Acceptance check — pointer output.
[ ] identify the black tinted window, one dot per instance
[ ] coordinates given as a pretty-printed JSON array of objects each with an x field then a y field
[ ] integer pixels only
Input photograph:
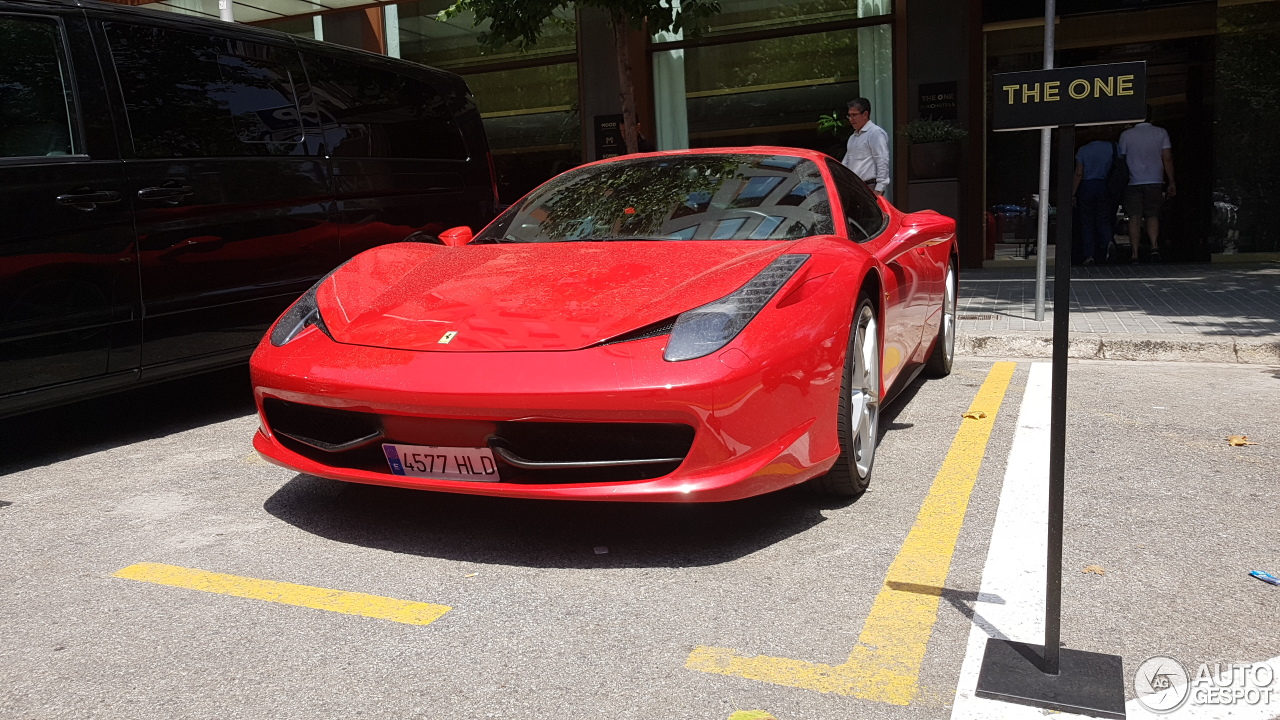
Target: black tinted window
[
  {"x": 377, "y": 113},
  {"x": 190, "y": 95},
  {"x": 690, "y": 197},
  {"x": 36, "y": 108},
  {"x": 862, "y": 212}
]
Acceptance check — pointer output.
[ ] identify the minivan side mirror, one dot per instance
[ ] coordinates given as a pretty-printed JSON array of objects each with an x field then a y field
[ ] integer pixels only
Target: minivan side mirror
[{"x": 457, "y": 236}]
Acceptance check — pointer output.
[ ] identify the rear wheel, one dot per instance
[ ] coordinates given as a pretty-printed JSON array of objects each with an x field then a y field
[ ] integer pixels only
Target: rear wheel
[
  {"x": 944, "y": 348},
  {"x": 858, "y": 414}
]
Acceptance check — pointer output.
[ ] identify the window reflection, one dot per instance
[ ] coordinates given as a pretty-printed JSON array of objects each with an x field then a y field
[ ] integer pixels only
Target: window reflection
[
  {"x": 35, "y": 103},
  {"x": 687, "y": 198},
  {"x": 192, "y": 95}
]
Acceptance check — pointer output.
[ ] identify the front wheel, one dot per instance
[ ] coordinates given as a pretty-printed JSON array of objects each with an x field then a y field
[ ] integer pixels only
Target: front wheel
[{"x": 858, "y": 413}]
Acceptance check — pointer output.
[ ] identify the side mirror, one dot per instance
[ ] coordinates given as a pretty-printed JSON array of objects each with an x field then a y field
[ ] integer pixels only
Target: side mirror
[
  {"x": 925, "y": 227},
  {"x": 924, "y": 219},
  {"x": 456, "y": 237}
]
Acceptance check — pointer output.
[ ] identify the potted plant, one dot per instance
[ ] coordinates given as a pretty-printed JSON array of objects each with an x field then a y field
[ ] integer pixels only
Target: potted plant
[
  {"x": 835, "y": 123},
  {"x": 934, "y": 148}
]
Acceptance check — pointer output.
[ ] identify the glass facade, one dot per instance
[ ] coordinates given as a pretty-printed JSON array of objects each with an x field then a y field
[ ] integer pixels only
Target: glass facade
[
  {"x": 769, "y": 92},
  {"x": 531, "y": 118},
  {"x": 454, "y": 45},
  {"x": 738, "y": 16},
  {"x": 1246, "y": 169},
  {"x": 795, "y": 61},
  {"x": 529, "y": 111}
]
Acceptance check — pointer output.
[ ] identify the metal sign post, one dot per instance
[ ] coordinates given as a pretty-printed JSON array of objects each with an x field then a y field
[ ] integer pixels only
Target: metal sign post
[
  {"x": 1042, "y": 211},
  {"x": 1049, "y": 676}
]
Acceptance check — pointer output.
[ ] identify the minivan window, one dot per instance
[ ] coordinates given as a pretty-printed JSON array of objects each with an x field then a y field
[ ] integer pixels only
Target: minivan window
[
  {"x": 379, "y": 113},
  {"x": 189, "y": 95},
  {"x": 862, "y": 213},
  {"x": 36, "y": 102}
]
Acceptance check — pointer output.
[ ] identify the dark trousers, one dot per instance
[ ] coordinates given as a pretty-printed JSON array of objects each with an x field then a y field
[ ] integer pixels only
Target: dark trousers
[{"x": 1096, "y": 218}]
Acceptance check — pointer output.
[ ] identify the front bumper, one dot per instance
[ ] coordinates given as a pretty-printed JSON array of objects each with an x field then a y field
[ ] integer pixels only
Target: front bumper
[{"x": 757, "y": 427}]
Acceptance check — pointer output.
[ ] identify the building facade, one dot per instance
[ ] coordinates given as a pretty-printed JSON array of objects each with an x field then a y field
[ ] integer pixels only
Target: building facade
[{"x": 762, "y": 72}]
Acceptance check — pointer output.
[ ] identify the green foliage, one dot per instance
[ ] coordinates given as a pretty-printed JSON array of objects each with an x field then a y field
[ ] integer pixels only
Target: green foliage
[
  {"x": 521, "y": 22},
  {"x": 930, "y": 131},
  {"x": 834, "y": 123}
]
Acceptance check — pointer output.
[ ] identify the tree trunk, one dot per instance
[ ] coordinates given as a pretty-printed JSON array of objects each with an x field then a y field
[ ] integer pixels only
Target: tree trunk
[{"x": 626, "y": 91}]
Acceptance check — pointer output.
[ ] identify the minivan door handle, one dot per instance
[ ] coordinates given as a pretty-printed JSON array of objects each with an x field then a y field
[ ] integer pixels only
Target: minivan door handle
[
  {"x": 172, "y": 193},
  {"x": 86, "y": 201}
]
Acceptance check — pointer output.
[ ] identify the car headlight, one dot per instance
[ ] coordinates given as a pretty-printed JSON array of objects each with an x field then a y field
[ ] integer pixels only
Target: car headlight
[
  {"x": 704, "y": 330},
  {"x": 301, "y": 315}
]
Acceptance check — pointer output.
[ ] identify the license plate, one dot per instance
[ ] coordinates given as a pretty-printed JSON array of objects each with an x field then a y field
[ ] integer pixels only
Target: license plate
[{"x": 442, "y": 463}]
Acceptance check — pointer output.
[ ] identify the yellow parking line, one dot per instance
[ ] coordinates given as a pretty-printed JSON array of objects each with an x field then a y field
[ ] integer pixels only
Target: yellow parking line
[
  {"x": 885, "y": 664},
  {"x": 350, "y": 603}
]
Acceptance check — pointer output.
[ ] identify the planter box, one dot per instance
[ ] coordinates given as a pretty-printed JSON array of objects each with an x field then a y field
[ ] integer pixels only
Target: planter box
[{"x": 934, "y": 161}]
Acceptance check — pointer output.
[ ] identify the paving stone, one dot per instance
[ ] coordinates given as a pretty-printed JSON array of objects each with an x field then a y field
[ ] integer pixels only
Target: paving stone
[{"x": 1196, "y": 312}]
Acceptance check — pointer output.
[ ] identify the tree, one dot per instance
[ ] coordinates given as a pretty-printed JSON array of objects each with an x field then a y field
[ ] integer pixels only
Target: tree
[{"x": 520, "y": 22}]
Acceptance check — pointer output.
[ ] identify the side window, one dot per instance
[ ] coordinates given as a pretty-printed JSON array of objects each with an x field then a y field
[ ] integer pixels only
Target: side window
[
  {"x": 190, "y": 95},
  {"x": 378, "y": 113},
  {"x": 37, "y": 108},
  {"x": 861, "y": 212}
]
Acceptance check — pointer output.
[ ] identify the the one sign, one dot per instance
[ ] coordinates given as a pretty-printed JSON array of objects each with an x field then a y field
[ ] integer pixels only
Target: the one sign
[
  {"x": 609, "y": 140},
  {"x": 936, "y": 101},
  {"x": 1085, "y": 95}
]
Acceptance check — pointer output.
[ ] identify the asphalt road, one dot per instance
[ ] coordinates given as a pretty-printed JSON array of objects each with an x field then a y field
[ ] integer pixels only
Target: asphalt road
[{"x": 541, "y": 624}]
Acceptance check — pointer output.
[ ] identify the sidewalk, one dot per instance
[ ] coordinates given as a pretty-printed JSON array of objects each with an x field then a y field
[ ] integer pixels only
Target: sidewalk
[{"x": 1197, "y": 312}]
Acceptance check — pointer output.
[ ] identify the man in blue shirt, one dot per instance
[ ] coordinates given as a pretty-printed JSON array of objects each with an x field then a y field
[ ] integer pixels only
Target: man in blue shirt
[{"x": 1093, "y": 162}]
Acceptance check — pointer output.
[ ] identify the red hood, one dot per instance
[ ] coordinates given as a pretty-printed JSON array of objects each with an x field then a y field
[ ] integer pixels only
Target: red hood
[{"x": 546, "y": 296}]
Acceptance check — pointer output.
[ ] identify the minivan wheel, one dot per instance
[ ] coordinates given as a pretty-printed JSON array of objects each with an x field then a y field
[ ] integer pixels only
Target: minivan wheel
[{"x": 858, "y": 412}]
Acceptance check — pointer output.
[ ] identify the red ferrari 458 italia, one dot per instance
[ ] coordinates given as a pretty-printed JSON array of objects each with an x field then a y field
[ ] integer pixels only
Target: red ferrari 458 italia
[{"x": 698, "y": 325}]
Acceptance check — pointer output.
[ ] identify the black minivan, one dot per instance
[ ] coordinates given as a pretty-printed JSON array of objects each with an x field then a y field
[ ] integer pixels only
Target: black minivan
[{"x": 169, "y": 185}]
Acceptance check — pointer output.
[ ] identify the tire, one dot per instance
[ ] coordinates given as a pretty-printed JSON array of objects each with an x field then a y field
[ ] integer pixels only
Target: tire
[
  {"x": 944, "y": 347},
  {"x": 858, "y": 412}
]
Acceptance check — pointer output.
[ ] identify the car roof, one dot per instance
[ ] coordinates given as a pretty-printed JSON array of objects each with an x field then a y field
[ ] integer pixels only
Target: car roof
[{"x": 220, "y": 27}]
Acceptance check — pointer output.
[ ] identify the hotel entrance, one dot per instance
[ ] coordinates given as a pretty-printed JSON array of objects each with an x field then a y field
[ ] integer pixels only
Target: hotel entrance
[{"x": 1206, "y": 86}]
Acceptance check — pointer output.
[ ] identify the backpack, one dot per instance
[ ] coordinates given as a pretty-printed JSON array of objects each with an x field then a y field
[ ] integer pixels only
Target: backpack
[{"x": 1117, "y": 176}]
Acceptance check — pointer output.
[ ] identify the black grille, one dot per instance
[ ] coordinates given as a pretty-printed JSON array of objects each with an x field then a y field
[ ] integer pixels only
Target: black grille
[
  {"x": 327, "y": 425},
  {"x": 662, "y": 327},
  {"x": 307, "y": 429}
]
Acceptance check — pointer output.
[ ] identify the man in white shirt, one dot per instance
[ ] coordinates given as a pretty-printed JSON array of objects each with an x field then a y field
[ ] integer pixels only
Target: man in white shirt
[
  {"x": 1146, "y": 150},
  {"x": 867, "y": 153}
]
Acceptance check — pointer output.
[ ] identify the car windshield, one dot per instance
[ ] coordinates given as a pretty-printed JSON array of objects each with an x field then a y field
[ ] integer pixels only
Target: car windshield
[{"x": 680, "y": 197}]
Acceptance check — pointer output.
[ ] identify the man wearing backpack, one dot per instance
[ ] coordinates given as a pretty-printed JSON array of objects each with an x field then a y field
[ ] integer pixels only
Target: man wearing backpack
[{"x": 1148, "y": 154}]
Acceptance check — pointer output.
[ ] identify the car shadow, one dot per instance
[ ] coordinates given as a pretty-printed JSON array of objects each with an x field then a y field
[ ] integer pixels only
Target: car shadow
[
  {"x": 555, "y": 533},
  {"x": 69, "y": 431},
  {"x": 545, "y": 533}
]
